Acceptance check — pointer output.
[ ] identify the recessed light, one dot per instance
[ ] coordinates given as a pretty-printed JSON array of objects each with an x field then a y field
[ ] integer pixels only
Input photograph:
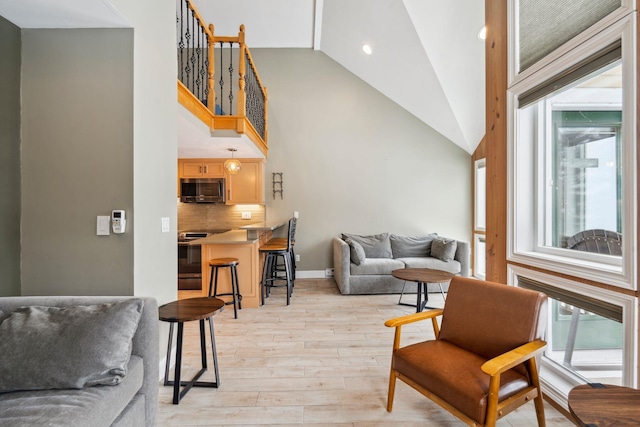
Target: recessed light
[
  {"x": 482, "y": 34},
  {"x": 367, "y": 49}
]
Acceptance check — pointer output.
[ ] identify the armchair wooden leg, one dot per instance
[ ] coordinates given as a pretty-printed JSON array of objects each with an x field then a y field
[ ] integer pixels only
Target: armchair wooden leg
[
  {"x": 538, "y": 401},
  {"x": 392, "y": 390}
]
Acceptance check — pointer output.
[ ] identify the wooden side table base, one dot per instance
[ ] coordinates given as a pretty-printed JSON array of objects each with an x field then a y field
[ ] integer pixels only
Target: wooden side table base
[
  {"x": 183, "y": 311},
  {"x": 177, "y": 382}
]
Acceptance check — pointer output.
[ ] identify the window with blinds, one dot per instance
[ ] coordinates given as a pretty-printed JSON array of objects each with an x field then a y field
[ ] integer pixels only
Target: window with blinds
[{"x": 545, "y": 25}]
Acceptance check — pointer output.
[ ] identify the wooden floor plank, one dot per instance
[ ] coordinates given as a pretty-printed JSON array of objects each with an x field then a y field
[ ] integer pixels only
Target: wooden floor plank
[{"x": 322, "y": 361}]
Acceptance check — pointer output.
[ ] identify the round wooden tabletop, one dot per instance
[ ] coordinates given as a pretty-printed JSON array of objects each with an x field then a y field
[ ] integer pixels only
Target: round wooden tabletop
[
  {"x": 422, "y": 275},
  {"x": 185, "y": 310},
  {"x": 605, "y": 405}
]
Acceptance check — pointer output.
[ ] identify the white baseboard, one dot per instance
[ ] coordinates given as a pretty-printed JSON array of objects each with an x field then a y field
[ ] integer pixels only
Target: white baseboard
[{"x": 310, "y": 274}]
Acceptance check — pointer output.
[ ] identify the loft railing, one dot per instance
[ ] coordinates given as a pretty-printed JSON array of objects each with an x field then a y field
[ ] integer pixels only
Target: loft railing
[{"x": 217, "y": 77}]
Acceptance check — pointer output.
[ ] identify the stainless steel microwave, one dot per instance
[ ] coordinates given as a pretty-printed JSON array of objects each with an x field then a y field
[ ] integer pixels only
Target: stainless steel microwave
[{"x": 202, "y": 190}]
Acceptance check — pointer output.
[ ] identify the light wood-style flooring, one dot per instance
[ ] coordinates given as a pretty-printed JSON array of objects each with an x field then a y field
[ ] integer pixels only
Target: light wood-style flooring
[{"x": 323, "y": 361}]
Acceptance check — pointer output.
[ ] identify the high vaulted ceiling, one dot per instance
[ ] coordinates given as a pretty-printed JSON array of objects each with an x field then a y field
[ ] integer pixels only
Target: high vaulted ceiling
[{"x": 426, "y": 54}]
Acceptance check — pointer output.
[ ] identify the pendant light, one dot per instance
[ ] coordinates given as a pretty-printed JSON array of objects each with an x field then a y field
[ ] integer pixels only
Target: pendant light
[{"x": 232, "y": 166}]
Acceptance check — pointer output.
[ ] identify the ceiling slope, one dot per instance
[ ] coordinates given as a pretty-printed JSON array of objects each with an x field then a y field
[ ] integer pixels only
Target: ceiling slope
[{"x": 426, "y": 55}]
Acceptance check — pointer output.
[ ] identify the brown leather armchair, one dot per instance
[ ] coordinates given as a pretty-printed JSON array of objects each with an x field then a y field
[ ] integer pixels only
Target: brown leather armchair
[{"x": 482, "y": 364}]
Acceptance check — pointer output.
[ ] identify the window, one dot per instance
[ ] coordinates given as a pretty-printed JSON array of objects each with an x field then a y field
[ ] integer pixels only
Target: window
[
  {"x": 590, "y": 333},
  {"x": 479, "y": 218},
  {"x": 572, "y": 186},
  {"x": 572, "y": 166}
]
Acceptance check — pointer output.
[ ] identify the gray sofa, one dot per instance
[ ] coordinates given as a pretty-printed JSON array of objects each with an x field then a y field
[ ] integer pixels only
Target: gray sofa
[
  {"x": 132, "y": 401},
  {"x": 387, "y": 252}
]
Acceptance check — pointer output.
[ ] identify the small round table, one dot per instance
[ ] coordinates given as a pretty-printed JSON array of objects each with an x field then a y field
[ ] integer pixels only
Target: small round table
[
  {"x": 422, "y": 276},
  {"x": 184, "y": 311},
  {"x": 599, "y": 405}
]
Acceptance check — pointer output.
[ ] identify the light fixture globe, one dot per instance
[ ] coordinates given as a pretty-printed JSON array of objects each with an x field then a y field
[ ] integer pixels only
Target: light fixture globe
[{"x": 232, "y": 166}]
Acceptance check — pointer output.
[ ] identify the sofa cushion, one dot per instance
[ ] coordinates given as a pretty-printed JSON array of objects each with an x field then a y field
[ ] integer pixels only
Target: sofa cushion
[
  {"x": 376, "y": 266},
  {"x": 430, "y": 262},
  {"x": 90, "y": 406},
  {"x": 444, "y": 249},
  {"x": 67, "y": 347},
  {"x": 375, "y": 246},
  {"x": 411, "y": 246},
  {"x": 356, "y": 250}
]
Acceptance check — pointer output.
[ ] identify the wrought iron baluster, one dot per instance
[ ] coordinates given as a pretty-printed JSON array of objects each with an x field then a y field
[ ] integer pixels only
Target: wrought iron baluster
[
  {"x": 230, "y": 77},
  {"x": 221, "y": 82}
]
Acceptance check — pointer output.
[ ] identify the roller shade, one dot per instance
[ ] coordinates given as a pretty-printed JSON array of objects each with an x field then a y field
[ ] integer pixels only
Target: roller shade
[
  {"x": 607, "y": 56},
  {"x": 545, "y": 25},
  {"x": 604, "y": 309}
]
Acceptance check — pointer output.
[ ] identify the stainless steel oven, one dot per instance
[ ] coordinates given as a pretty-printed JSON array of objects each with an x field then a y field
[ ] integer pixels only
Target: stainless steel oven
[{"x": 190, "y": 259}]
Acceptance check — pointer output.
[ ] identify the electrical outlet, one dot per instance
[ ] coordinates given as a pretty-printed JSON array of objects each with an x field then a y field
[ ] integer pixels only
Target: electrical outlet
[
  {"x": 297, "y": 258},
  {"x": 246, "y": 215},
  {"x": 296, "y": 214},
  {"x": 328, "y": 272}
]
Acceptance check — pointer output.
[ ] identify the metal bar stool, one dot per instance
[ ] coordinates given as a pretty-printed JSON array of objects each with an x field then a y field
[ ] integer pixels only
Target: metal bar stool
[
  {"x": 231, "y": 263},
  {"x": 273, "y": 250}
]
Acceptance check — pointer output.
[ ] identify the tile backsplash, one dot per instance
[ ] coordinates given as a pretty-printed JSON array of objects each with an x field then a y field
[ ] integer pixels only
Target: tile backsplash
[{"x": 203, "y": 216}]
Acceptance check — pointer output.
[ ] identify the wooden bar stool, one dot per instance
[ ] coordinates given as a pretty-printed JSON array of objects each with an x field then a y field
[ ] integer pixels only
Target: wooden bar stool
[{"x": 231, "y": 263}]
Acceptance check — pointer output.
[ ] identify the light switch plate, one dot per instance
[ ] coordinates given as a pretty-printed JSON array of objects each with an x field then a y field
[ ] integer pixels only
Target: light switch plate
[
  {"x": 246, "y": 215},
  {"x": 166, "y": 225},
  {"x": 102, "y": 225}
]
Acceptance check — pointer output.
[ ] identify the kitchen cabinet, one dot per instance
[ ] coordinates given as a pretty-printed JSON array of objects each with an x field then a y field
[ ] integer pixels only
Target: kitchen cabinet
[
  {"x": 247, "y": 187},
  {"x": 200, "y": 168}
]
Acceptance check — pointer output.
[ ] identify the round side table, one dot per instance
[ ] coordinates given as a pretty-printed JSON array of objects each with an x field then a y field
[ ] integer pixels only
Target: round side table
[{"x": 184, "y": 311}]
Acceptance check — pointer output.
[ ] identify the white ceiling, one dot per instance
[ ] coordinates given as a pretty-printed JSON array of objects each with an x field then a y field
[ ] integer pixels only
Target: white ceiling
[{"x": 426, "y": 54}]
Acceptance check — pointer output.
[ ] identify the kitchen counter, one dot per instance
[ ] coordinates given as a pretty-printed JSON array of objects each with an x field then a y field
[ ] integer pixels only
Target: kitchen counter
[
  {"x": 255, "y": 230},
  {"x": 232, "y": 237}
]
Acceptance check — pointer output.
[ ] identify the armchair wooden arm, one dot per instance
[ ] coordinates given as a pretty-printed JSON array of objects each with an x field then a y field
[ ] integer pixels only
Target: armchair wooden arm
[
  {"x": 398, "y": 322},
  {"x": 508, "y": 360},
  {"x": 411, "y": 318}
]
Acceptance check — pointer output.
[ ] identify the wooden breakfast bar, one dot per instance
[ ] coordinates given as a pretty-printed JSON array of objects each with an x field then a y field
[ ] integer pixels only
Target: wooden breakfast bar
[{"x": 243, "y": 244}]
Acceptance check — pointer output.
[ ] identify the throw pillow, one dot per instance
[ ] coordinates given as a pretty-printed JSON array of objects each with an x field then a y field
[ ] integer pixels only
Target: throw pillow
[
  {"x": 444, "y": 249},
  {"x": 375, "y": 246},
  {"x": 356, "y": 250},
  {"x": 67, "y": 347},
  {"x": 411, "y": 246}
]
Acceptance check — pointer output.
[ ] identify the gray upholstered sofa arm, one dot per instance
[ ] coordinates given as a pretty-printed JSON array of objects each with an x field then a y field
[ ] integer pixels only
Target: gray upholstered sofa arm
[
  {"x": 463, "y": 256},
  {"x": 341, "y": 264},
  {"x": 145, "y": 341}
]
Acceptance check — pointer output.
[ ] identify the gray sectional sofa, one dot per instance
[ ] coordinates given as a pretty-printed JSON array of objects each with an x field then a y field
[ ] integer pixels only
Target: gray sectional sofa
[
  {"x": 78, "y": 361},
  {"x": 363, "y": 264}
]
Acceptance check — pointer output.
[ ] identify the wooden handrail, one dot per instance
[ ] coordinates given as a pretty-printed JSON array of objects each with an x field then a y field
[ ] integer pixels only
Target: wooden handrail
[{"x": 200, "y": 19}]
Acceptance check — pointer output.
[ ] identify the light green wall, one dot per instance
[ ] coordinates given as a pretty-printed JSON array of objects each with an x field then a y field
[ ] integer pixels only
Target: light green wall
[
  {"x": 353, "y": 160},
  {"x": 77, "y": 160},
  {"x": 9, "y": 158}
]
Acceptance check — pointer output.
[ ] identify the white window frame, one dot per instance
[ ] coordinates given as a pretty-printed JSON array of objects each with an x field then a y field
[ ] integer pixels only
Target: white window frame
[
  {"x": 477, "y": 255},
  {"x": 555, "y": 381},
  {"x": 522, "y": 185},
  {"x": 479, "y": 207}
]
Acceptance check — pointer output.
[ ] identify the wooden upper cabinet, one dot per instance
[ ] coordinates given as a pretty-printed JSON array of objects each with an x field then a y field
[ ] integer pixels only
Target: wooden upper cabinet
[
  {"x": 200, "y": 168},
  {"x": 247, "y": 187}
]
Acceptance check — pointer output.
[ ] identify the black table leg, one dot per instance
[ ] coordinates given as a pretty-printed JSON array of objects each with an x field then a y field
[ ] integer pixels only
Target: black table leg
[
  {"x": 213, "y": 352},
  {"x": 177, "y": 383},
  {"x": 176, "y": 376}
]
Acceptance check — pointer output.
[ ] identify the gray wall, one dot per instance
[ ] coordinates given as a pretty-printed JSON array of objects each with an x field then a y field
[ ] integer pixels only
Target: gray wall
[
  {"x": 77, "y": 160},
  {"x": 10, "y": 46},
  {"x": 155, "y": 150},
  {"x": 353, "y": 160}
]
